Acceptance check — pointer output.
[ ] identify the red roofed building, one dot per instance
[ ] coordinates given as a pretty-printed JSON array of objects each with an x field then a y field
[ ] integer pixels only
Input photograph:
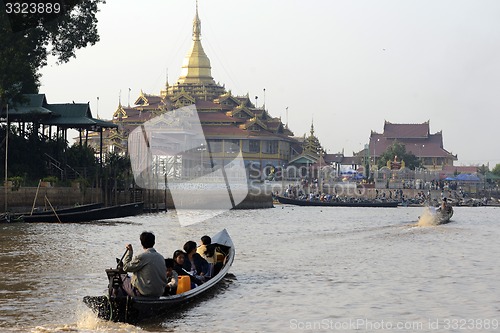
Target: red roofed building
[
  {"x": 228, "y": 121},
  {"x": 451, "y": 170},
  {"x": 417, "y": 140}
]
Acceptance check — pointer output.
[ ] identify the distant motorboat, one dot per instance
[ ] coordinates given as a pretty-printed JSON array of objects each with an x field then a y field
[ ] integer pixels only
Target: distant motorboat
[
  {"x": 432, "y": 216},
  {"x": 444, "y": 216}
]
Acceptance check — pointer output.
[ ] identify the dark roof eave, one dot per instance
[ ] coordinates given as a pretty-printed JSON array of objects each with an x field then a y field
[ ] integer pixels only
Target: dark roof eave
[{"x": 85, "y": 123}]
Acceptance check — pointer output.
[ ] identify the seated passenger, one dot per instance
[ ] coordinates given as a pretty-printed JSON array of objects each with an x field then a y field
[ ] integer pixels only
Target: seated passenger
[
  {"x": 179, "y": 257},
  {"x": 194, "y": 263},
  {"x": 207, "y": 252},
  {"x": 179, "y": 261},
  {"x": 172, "y": 278}
]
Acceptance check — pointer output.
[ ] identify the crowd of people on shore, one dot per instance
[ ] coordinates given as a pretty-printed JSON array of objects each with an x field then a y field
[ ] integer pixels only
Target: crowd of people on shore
[
  {"x": 298, "y": 192},
  {"x": 455, "y": 196},
  {"x": 153, "y": 275}
]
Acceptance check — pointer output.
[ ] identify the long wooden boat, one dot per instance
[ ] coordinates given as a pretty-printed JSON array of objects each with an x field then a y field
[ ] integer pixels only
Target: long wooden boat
[
  {"x": 96, "y": 214},
  {"x": 353, "y": 203},
  {"x": 74, "y": 209},
  {"x": 19, "y": 217},
  {"x": 136, "y": 309}
]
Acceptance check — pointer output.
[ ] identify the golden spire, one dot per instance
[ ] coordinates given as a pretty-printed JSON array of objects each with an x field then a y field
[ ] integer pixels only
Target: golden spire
[
  {"x": 196, "y": 25},
  {"x": 196, "y": 67}
]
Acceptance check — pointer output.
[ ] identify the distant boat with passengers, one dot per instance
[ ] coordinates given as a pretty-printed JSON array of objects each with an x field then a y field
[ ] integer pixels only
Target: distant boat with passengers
[{"x": 338, "y": 202}]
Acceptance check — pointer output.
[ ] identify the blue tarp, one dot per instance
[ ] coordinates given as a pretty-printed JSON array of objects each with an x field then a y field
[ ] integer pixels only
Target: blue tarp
[
  {"x": 467, "y": 177},
  {"x": 359, "y": 176}
]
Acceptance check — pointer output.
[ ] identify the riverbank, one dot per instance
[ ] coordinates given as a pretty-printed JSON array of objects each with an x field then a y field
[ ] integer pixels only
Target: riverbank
[{"x": 23, "y": 199}]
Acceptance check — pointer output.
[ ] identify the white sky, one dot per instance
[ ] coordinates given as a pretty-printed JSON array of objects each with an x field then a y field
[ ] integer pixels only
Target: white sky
[{"x": 349, "y": 64}]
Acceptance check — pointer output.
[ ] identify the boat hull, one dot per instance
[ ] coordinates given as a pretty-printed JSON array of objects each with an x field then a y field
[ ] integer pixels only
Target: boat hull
[
  {"x": 359, "y": 203},
  {"x": 81, "y": 208},
  {"x": 89, "y": 215},
  {"x": 133, "y": 310},
  {"x": 443, "y": 218}
]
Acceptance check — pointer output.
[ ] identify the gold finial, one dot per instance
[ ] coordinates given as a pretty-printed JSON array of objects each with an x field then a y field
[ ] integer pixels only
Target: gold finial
[
  {"x": 196, "y": 25},
  {"x": 196, "y": 67}
]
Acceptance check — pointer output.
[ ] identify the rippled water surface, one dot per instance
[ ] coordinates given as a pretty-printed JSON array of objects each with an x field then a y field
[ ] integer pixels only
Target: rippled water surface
[{"x": 296, "y": 269}]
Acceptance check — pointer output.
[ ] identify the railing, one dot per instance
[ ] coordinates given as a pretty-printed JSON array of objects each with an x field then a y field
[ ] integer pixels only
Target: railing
[
  {"x": 65, "y": 172},
  {"x": 53, "y": 163}
]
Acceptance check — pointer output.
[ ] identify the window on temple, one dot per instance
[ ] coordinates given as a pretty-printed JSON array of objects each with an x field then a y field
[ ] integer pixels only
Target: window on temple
[
  {"x": 254, "y": 146},
  {"x": 270, "y": 147},
  {"x": 245, "y": 146},
  {"x": 231, "y": 146},
  {"x": 215, "y": 146}
]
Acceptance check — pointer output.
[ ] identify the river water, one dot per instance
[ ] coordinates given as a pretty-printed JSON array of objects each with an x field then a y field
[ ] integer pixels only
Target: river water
[{"x": 297, "y": 269}]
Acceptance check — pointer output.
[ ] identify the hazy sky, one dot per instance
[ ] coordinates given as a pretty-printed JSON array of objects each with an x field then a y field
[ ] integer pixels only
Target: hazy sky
[{"x": 348, "y": 65}]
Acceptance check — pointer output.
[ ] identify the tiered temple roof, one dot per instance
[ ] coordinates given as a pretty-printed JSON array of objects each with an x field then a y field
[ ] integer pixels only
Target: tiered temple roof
[{"x": 416, "y": 138}]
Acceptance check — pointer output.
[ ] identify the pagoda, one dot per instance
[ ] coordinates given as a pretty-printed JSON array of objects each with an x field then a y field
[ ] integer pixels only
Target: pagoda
[{"x": 227, "y": 120}]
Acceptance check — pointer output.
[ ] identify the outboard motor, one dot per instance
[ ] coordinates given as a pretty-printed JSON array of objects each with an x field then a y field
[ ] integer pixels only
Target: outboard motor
[{"x": 115, "y": 278}]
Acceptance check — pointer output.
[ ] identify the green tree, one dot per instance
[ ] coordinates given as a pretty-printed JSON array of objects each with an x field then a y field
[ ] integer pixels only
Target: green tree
[
  {"x": 28, "y": 39},
  {"x": 398, "y": 150},
  {"x": 26, "y": 155},
  {"x": 83, "y": 160},
  {"x": 496, "y": 170},
  {"x": 483, "y": 169},
  {"x": 115, "y": 175},
  {"x": 81, "y": 156},
  {"x": 31, "y": 155}
]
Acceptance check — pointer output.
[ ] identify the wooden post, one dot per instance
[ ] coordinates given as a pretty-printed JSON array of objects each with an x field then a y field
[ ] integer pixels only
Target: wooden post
[
  {"x": 36, "y": 196},
  {"x": 57, "y": 216}
]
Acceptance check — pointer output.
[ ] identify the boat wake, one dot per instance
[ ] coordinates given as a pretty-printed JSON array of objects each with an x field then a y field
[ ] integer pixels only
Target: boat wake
[
  {"x": 87, "y": 322},
  {"x": 428, "y": 218}
]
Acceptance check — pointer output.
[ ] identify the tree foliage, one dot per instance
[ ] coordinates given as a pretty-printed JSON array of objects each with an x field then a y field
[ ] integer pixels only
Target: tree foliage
[
  {"x": 483, "y": 169},
  {"x": 81, "y": 156},
  {"x": 398, "y": 150},
  {"x": 117, "y": 166},
  {"x": 27, "y": 41},
  {"x": 32, "y": 157},
  {"x": 496, "y": 170}
]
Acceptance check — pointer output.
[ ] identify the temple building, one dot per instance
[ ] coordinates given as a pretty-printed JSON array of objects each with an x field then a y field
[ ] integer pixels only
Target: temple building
[
  {"x": 417, "y": 139},
  {"x": 310, "y": 159},
  {"x": 227, "y": 120}
]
